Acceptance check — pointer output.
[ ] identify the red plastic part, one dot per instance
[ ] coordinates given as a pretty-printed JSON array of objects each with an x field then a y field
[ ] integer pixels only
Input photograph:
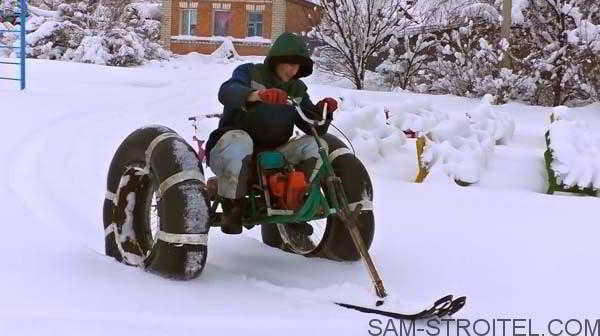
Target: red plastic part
[
  {"x": 296, "y": 188},
  {"x": 288, "y": 190},
  {"x": 277, "y": 185}
]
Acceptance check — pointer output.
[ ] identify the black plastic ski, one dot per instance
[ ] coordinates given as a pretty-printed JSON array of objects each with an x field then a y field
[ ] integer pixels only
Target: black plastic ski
[{"x": 445, "y": 306}]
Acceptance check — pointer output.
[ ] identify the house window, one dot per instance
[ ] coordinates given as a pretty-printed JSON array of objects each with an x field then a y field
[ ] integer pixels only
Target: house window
[
  {"x": 221, "y": 21},
  {"x": 188, "y": 22},
  {"x": 255, "y": 24}
]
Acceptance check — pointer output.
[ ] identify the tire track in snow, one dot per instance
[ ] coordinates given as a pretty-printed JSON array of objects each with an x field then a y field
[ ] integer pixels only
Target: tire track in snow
[{"x": 41, "y": 173}]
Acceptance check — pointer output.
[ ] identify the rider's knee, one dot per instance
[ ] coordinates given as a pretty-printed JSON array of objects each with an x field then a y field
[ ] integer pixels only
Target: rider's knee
[
  {"x": 238, "y": 141},
  {"x": 311, "y": 147}
]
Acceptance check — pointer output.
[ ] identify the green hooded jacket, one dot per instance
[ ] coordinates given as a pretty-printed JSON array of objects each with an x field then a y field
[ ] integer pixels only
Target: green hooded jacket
[{"x": 288, "y": 48}]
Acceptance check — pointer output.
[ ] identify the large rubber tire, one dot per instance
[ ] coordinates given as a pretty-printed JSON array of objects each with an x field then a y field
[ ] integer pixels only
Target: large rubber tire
[
  {"x": 146, "y": 158},
  {"x": 336, "y": 243},
  {"x": 270, "y": 235}
]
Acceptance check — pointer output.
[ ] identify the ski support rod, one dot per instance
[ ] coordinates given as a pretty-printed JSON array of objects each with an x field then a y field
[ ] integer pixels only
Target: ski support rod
[{"x": 350, "y": 219}]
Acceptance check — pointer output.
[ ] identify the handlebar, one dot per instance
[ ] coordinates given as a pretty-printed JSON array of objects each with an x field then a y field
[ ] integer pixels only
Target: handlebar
[{"x": 307, "y": 119}]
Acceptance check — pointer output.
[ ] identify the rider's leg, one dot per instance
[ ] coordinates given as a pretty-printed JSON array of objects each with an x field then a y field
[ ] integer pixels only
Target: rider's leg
[
  {"x": 230, "y": 160},
  {"x": 304, "y": 154}
]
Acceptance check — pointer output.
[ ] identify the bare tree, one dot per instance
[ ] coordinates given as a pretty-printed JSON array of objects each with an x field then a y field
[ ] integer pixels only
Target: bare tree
[{"x": 352, "y": 31}]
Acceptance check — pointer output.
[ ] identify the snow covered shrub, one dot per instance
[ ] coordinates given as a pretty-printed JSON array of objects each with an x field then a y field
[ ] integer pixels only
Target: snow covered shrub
[
  {"x": 404, "y": 70},
  {"x": 586, "y": 38},
  {"x": 146, "y": 28},
  {"x": 590, "y": 71},
  {"x": 456, "y": 69},
  {"x": 460, "y": 148},
  {"x": 367, "y": 128},
  {"x": 125, "y": 48},
  {"x": 453, "y": 149},
  {"x": 414, "y": 116},
  {"x": 563, "y": 36},
  {"x": 487, "y": 121},
  {"x": 572, "y": 155},
  {"x": 6, "y": 39},
  {"x": 53, "y": 38},
  {"x": 506, "y": 84},
  {"x": 114, "y": 32},
  {"x": 118, "y": 47},
  {"x": 91, "y": 50},
  {"x": 469, "y": 64},
  {"x": 46, "y": 4}
]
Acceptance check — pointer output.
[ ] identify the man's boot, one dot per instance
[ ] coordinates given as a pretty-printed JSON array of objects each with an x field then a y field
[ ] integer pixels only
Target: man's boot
[{"x": 232, "y": 216}]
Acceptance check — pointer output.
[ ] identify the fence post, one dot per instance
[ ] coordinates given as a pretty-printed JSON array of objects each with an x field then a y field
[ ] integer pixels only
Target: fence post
[
  {"x": 23, "y": 15},
  {"x": 22, "y": 6}
]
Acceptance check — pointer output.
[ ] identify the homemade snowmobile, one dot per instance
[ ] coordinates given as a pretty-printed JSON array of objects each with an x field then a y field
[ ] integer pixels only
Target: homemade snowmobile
[{"x": 158, "y": 208}]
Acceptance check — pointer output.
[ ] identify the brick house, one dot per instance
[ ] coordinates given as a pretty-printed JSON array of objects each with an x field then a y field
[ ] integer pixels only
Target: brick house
[{"x": 201, "y": 25}]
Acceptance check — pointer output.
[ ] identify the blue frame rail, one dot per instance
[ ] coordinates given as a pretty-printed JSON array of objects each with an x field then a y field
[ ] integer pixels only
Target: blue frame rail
[{"x": 22, "y": 30}]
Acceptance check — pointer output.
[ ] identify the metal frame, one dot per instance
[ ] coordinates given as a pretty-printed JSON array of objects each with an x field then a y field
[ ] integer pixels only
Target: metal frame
[
  {"x": 318, "y": 205},
  {"x": 21, "y": 32}
]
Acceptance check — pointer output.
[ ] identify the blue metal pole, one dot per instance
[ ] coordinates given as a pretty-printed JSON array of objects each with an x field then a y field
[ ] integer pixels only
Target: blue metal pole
[{"x": 23, "y": 25}]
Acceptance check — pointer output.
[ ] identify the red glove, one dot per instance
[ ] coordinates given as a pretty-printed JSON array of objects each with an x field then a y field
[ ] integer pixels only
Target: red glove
[
  {"x": 273, "y": 96},
  {"x": 331, "y": 105}
]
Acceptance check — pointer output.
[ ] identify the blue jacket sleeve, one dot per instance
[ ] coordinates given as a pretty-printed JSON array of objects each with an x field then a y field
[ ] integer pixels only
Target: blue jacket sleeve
[{"x": 233, "y": 93}]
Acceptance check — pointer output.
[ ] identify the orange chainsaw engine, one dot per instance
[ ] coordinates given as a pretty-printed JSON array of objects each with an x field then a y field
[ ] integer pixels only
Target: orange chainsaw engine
[{"x": 288, "y": 189}]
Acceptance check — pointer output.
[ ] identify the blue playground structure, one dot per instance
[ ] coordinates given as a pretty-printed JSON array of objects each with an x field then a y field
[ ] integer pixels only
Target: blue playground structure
[{"x": 19, "y": 16}]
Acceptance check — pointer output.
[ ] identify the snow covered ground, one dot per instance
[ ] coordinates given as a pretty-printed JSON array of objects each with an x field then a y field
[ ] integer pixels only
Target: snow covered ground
[{"x": 513, "y": 250}]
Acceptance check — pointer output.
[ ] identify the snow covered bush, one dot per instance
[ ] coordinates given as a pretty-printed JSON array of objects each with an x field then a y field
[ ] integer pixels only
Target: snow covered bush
[
  {"x": 460, "y": 148},
  {"x": 563, "y": 39},
  {"x": 114, "y": 32},
  {"x": 586, "y": 38},
  {"x": 47, "y": 4},
  {"x": 470, "y": 64},
  {"x": 53, "y": 38},
  {"x": 466, "y": 61},
  {"x": 405, "y": 70},
  {"x": 7, "y": 39},
  {"x": 117, "y": 47},
  {"x": 456, "y": 47},
  {"x": 415, "y": 117},
  {"x": 367, "y": 128},
  {"x": 554, "y": 50},
  {"x": 572, "y": 155}
]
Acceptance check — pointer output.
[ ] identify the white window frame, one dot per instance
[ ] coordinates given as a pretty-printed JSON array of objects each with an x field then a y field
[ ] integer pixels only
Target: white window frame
[
  {"x": 262, "y": 23},
  {"x": 187, "y": 31}
]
